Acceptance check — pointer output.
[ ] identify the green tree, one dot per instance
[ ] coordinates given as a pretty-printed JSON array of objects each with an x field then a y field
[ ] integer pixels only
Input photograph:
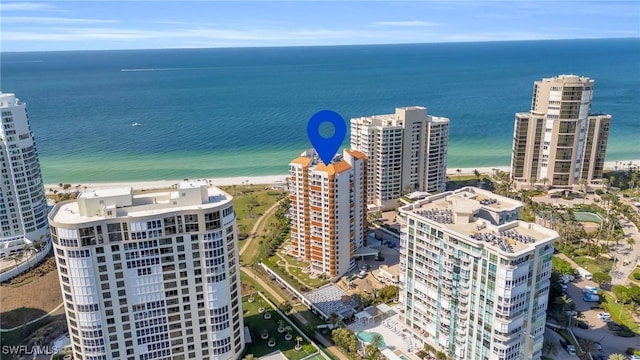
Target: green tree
[
  {"x": 561, "y": 266},
  {"x": 372, "y": 352},
  {"x": 376, "y": 340},
  {"x": 345, "y": 339},
  {"x": 549, "y": 348},
  {"x": 429, "y": 349},
  {"x": 441, "y": 356},
  {"x": 587, "y": 345},
  {"x": 476, "y": 173}
]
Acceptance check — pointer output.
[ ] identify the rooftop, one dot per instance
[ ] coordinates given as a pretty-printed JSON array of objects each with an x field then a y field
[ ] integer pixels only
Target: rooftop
[
  {"x": 121, "y": 202},
  {"x": 469, "y": 213},
  {"x": 338, "y": 165}
]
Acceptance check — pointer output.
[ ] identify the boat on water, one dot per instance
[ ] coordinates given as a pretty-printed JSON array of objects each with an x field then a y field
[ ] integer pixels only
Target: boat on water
[{"x": 136, "y": 124}]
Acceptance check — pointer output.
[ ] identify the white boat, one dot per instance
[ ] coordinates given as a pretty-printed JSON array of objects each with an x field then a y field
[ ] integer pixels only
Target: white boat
[{"x": 136, "y": 124}]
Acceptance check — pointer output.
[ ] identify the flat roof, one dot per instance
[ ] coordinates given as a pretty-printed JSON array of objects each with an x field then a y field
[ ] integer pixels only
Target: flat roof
[
  {"x": 118, "y": 191},
  {"x": 146, "y": 204},
  {"x": 458, "y": 212}
]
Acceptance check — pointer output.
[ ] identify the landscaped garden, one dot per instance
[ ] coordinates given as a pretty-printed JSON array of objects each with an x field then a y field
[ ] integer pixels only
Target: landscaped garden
[{"x": 270, "y": 332}]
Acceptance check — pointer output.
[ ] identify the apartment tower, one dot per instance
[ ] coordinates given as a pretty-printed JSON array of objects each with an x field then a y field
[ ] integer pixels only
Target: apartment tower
[
  {"x": 23, "y": 206},
  {"x": 474, "y": 280},
  {"x": 407, "y": 151},
  {"x": 559, "y": 142},
  {"x": 328, "y": 210},
  {"x": 150, "y": 276}
]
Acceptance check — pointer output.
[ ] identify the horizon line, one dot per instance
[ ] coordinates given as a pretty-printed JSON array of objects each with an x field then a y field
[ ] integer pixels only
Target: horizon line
[{"x": 330, "y": 45}]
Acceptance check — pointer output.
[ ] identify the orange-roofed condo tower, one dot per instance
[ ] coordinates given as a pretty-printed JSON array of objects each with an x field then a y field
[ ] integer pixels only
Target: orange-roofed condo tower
[{"x": 328, "y": 210}]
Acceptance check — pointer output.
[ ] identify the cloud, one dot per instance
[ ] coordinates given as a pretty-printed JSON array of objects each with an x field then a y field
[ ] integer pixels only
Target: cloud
[
  {"x": 54, "y": 20},
  {"x": 25, "y": 6},
  {"x": 410, "y": 23},
  {"x": 204, "y": 34}
]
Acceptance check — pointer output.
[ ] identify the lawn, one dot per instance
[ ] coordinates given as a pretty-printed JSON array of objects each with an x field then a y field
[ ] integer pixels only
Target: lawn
[
  {"x": 251, "y": 252},
  {"x": 257, "y": 324},
  {"x": 295, "y": 268},
  {"x": 244, "y": 197},
  {"x": 620, "y": 314},
  {"x": 600, "y": 264},
  {"x": 30, "y": 295}
]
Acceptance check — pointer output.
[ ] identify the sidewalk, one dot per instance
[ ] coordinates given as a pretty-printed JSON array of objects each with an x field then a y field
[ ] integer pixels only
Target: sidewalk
[{"x": 337, "y": 353}]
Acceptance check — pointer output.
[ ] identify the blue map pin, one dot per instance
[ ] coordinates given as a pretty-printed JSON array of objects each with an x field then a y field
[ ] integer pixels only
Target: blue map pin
[{"x": 326, "y": 147}]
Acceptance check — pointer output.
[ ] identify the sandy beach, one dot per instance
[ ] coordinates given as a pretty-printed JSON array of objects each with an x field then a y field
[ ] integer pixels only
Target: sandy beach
[{"x": 265, "y": 180}]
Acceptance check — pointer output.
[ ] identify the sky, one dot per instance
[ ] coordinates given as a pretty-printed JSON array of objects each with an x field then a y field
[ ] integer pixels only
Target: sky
[{"x": 113, "y": 24}]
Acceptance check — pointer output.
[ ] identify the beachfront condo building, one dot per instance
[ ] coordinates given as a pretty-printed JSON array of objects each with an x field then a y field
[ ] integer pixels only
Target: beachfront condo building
[
  {"x": 23, "y": 206},
  {"x": 153, "y": 275},
  {"x": 560, "y": 142},
  {"x": 328, "y": 210},
  {"x": 474, "y": 280},
  {"x": 407, "y": 152}
]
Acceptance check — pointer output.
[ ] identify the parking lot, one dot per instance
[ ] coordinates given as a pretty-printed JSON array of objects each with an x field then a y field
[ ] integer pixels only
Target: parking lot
[{"x": 598, "y": 330}]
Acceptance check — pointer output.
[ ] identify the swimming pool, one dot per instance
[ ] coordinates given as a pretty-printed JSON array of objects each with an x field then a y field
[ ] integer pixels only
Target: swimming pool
[{"x": 367, "y": 336}]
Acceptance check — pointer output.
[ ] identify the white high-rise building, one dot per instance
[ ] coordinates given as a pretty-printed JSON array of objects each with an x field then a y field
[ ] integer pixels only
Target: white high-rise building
[
  {"x": 474, "y": 280},
  {"x": 559, "y": 141},
  {"x": 23, "y": 206},
  {"x": 407, "y": 151},
  {"x": 152, "y": 275},
  {"x": 328, "y": 210}
]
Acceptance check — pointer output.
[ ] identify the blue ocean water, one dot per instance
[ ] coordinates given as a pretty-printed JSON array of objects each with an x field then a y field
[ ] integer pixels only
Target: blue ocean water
[{"x": 243, "y": 111}]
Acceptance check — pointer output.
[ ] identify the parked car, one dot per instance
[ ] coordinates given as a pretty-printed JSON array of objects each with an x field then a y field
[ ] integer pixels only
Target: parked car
[
  {"x": 604, "y": 315},
  {"x": 600, "y": 357},
  {"x": 563, "y": 343},
  {"x": 571, "y": 350},
  {"x": 634, "y": 357}
]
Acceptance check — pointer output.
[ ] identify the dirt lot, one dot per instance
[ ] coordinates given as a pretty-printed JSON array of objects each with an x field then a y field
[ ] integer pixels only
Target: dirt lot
[{"x": 30, "y": 298}]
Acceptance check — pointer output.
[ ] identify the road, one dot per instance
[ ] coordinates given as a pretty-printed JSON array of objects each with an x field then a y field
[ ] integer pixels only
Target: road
[
  {"x": 555, "y": 337},
  {"x": 620, "y": 272}
]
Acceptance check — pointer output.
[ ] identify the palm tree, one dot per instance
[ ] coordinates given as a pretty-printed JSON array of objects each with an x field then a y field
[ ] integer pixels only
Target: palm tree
[
  {"x": 477, "y": 174},
  {"x": 550, "y": 348},
  {"x": 376, "y": 340},
  {"x": 458, "y": 171},
  {"x": 631, "y": 242},
  {"x": 298, "y": 339},
  {"x": 617, "y": 357},
  {"x": 429, "y": 349},
  {"x": 587, "y": 345},
  {"x": 248, "y": 357},
  {"x": 544, "y": 182}
]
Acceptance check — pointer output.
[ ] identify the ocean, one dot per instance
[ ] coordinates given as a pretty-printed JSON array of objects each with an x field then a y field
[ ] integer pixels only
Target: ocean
[{"x": 243, "y": 111}]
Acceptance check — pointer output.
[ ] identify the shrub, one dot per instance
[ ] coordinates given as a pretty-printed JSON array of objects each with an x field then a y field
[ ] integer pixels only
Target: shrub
[
  {"x": 599, "y": 192},
  {"x": 636, "y": 275}
]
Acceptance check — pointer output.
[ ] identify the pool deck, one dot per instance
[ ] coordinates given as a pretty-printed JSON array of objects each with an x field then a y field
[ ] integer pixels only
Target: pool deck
[{"x": 391, "y": 330}]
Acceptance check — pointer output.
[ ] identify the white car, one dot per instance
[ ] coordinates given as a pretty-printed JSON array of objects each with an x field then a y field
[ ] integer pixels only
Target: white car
[
  {"x": 604, "y": 316},
  {"x": 634, "y": 357},
  {"x": 571, "y": 350}
]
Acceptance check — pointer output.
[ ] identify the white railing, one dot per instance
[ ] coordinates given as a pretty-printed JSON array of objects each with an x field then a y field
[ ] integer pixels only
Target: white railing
[{"x": 24, "y": 266}]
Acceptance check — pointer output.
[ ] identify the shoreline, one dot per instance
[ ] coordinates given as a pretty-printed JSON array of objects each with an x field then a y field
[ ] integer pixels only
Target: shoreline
[{"x": 263, "y": 180}]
